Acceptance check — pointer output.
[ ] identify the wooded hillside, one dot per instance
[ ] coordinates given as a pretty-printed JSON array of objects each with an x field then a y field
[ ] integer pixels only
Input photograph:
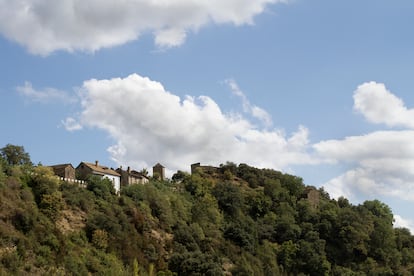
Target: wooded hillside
[{"x": 238, "y": 220}]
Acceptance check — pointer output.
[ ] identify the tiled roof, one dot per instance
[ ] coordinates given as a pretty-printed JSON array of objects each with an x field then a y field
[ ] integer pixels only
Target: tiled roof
[
  {"x": 101, "y": 169},
  {"x": 60, "y": 166}
]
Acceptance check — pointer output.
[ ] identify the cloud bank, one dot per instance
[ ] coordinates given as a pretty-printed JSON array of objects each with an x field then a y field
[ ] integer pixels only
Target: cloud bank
[
  {"x": 150, "y": 124},
  {"x": 44, "y": 26},
  {"x": 380, "y": 163}
]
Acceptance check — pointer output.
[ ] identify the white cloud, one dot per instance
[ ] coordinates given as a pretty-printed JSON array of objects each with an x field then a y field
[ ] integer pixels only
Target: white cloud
[
  {"x": 373, "y": 146},
  {"x": 379, "y": 105},
  {"x": 44, "y": 26},
  {"x": 47, "y": 95},
  {"x": 71, "y": 124},
  {"x": 380, "y": 163},
  {"x": 150, "y": 124},
  {"x": 253, "y": 110},
  {"x": 404, "y": 223}
]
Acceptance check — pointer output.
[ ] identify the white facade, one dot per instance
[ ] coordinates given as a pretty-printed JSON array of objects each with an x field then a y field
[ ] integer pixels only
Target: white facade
[{"x": 116, "y": 181}]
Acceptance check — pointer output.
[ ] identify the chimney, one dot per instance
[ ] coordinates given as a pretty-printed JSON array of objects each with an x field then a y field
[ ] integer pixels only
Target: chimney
[
  {"x": 96, "y": 163},
  {"x": 129, "y": 169}
]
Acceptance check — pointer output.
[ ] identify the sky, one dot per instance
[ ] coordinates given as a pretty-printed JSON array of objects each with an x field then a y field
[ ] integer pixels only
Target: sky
[{"x": 316, "y": 88}]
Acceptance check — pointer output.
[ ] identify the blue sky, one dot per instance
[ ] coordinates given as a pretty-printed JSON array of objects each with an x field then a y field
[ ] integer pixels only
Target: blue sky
[{"x": 319, "y": 89}]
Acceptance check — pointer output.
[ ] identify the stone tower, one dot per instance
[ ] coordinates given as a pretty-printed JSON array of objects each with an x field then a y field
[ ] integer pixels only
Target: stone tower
[{"x": 158, "y": 171}]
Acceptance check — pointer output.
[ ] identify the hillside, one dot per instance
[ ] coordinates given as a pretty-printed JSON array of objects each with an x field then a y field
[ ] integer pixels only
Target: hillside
[{"x": 238, "y": 220}]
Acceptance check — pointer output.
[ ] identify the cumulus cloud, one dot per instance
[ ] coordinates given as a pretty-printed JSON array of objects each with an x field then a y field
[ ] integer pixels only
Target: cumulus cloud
[
  {"x": 380, "y": 163},
  {"x": 150, "y": 124},
  {"x": 253, "y": 110},
  {"x": 404, "y": 223},
  {"x": 379, "y": 105},
  {"x": 373, "y": 146},
  {"x": 44, "y": 26},
  {"x": 46, "y": 95}
]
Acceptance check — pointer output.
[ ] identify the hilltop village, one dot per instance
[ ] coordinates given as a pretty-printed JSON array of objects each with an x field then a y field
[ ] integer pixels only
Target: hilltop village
[
  {"x": 119, "y": 177},
  {"x": 124, "y": 178}
]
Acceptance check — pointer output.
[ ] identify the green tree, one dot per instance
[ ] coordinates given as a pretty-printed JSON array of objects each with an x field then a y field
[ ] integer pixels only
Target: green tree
[
  {"x": 15, "y": 155},
  {"x": 287, "y": 255},
  {"x": 311, "y": 257},
  {"x": 229, "y": 197},
  {"x": 286, "y": 227},
  {"x": 102, "y": 187},
  {"x": 229, "y": 166},
  {"x": 43, "y": 181},
  {"x": 180, "y": 176},
  {"x": 2, "y": 174},
  {"x": 382, "y": 245},
  {"x": 258, "y": 203},
  {"x": 206, "y": 213},
  {"x": 52, "y": 205},
  {"x": 195, "y": 263},
  {"x": 242, "y": 234},
  {"x": 196, "y": 185},
  {"x": 352, "y": 235},
  {"x": 267, "y": 252}
]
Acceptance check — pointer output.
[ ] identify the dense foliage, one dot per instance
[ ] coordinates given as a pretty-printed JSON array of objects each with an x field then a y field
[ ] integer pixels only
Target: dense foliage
[{"x": 237, "y": 220}]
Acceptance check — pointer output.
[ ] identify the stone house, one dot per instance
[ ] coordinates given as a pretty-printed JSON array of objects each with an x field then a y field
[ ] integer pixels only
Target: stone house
[
  {"x": 65, "y": 171},
  {"x": 84, "y": 170},
  {"x": 130, "y": 177}
]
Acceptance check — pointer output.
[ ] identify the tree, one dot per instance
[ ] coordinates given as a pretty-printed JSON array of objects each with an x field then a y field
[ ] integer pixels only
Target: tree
[
  {"x": 101, "y": 187},
  {"x": 180, "y": 176},
  {"x": 144, "y": 172},
  {"x": 229, "y": 197},
  {"x": 195, "y": 263},
  {"x": 52, "y": 205},
  {"x": 15, "y": 155},
  {"x": 287, "y": 255},
  {"x": 382, "y": 243},
  {"x": 43, "y": 181}
]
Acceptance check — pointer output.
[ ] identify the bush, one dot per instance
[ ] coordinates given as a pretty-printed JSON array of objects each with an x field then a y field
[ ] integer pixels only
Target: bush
[
  {"x": 102, "y": 188},
  {"x": 100, "y": 239},
  {"x": 52, "y": 205}
]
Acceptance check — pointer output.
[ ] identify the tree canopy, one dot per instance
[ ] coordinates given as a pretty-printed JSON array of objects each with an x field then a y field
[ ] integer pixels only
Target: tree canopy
[
  {"x": 238, "y": 220},
  {"x": 15, "y": 155}
]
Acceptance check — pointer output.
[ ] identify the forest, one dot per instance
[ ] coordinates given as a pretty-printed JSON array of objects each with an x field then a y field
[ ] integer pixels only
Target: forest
[{"x": 238, "y": 220}]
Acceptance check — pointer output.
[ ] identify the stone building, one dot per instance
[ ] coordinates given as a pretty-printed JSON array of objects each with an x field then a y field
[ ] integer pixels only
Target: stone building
[
  {"x": 130, "y": 177},
  {"x": 84, "y": 170},
  {"x": 66, "y": 171},
  {"x": 204, "y": 169},
  {"x": 313, "y": 196},
  {"x": 158, "y": 171}
]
